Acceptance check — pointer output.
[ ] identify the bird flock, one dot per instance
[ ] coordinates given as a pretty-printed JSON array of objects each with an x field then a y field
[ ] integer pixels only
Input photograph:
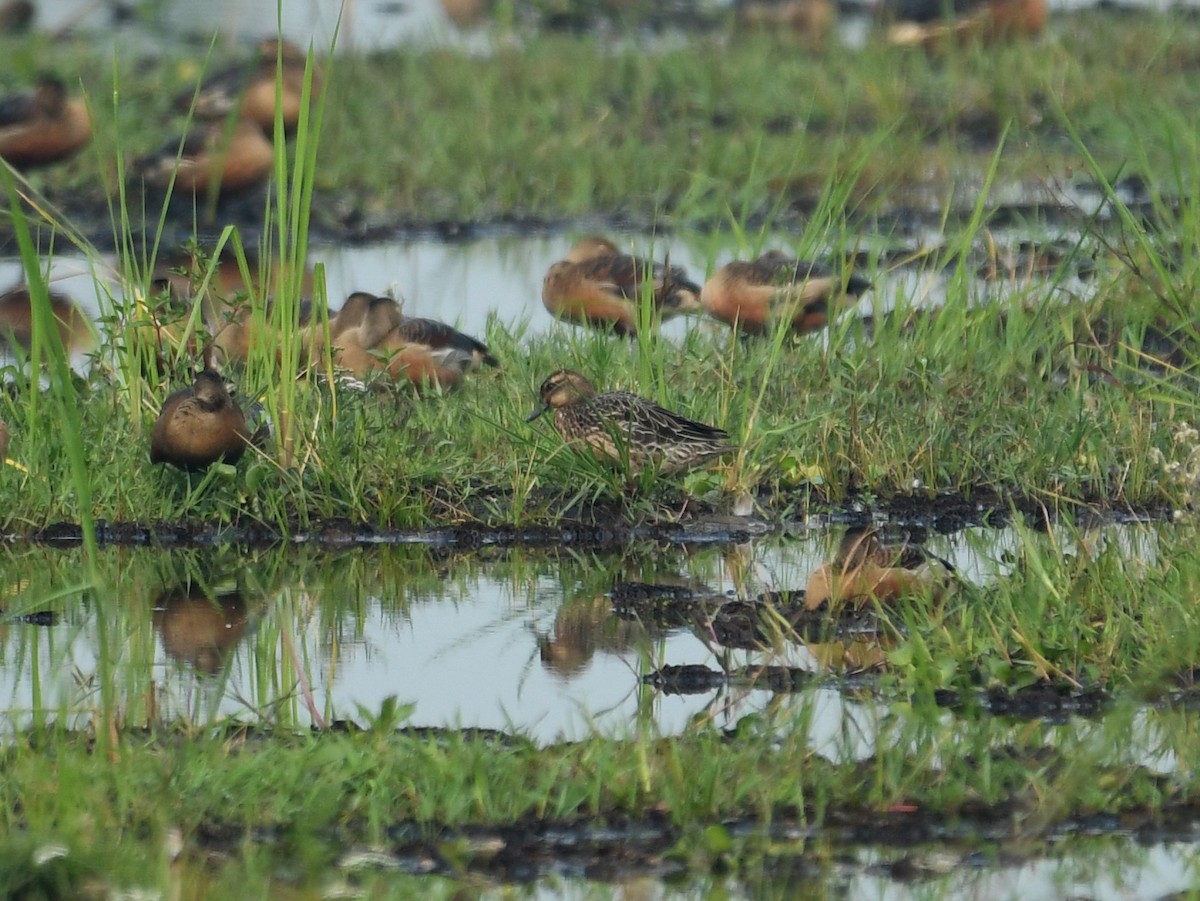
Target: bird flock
[
  {"x": 595, "y": 285},
  {"x": 229, "y": 149}
]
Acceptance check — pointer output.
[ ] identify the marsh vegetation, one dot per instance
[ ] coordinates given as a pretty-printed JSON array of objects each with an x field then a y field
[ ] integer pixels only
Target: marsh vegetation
[{"x": 187, "y": 696}]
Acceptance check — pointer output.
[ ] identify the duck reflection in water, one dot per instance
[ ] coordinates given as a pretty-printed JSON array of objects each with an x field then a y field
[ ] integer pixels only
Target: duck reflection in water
[
  {"x": 865, "y": 569},
  {"x": 625, "y": 618},
  {"x": 200, "y": 627},
  {"x": 582, "y": 627}
]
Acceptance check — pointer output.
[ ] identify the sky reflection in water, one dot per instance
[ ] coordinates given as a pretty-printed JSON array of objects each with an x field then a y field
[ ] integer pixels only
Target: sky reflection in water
[{"x": 523, "y": 641}]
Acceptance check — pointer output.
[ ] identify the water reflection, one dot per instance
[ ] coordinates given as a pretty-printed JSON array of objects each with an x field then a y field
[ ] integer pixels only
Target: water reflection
[
  {"x": 1112, "y": 868},
  {"x": 505, "y": 639},
  {"x": 200, "y": 626}
]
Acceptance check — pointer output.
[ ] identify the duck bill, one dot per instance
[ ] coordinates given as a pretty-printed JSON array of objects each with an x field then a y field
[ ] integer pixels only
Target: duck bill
[{"x": 537, "y": 411}]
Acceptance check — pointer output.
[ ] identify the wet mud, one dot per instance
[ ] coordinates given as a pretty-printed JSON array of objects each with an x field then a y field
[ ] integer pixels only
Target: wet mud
[
  {"x": 852, "y": 642},
  {"x": 581, "y": 527},
  {"x": 913, "y": 214}
]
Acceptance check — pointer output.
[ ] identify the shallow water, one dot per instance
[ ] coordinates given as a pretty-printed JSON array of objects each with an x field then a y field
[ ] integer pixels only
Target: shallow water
[
  {"x": 1110, "y": 869},
  {"x": 528, "y": 641},
  {"x": 362, "y": 26},
  {"x": 470, "y": 282},
  {"x": 523, "y": 641}
]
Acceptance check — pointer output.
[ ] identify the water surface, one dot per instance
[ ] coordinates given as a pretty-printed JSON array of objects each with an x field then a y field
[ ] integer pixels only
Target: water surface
[{"x": 516, "y": 640}]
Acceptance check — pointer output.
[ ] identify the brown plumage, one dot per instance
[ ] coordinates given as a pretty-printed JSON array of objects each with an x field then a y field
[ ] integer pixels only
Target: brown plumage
[
  {"x": 42, "y": 125},
  {"x": 16, "y": 321},
  {"x": 624, "y": 428},
  {"x": 236, "y": 160},
  {"x": 465, "y": 13},
  {"x": 809, "y": 20},
  {"x": 198, "y": 629},
  {"x": 371, "y": 334},
  {"x": 866, "y": 570},
  {"x": 180, "y": 273},
  {"x": 596, "y": 284},
  {"x": 16, "y": 16},
  {"x": 446, "y": 342},
  {"x": 226, "y": 301},
  {"x": 751, "y": 296},
  {"x": 931, "y": 24},
  {"x": 199, "y": 425},
  {"x": 352, "y": 313},
  {"x": 251, "y": 88}
]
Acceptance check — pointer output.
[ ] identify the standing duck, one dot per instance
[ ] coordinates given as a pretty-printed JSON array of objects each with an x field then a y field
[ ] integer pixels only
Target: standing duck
[
  {"x": 597, "y": 284},
  {"x": 750, "y": 296}
]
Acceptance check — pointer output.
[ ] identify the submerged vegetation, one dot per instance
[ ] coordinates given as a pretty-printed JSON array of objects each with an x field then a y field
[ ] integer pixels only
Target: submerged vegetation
[{"x": 1056, "y": 379}]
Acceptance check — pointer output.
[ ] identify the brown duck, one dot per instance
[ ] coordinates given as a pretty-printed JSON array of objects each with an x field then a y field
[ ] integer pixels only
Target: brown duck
[
  {"x": 42, "y": 125},
  {"x": 16, "y": 321},
  {"x": 751, "y": 296},
  {"x": 932, "y": 24},
  {"x": 809, "y": 20},
  {"x": 597, "y": 284},
  {"x": 16, "y": 16},
  {"x": 233, "y": 161},
  {"x": 199, "y": 426},
  {"x": 371, "y": 334},
  {"x": 226, "y": 301},
  {"x": 251, "y": 88}
]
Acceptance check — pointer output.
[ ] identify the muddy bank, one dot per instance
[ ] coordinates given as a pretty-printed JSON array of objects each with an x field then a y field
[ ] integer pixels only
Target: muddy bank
[
  {"x": 612, "y": 524},
  {"x": 913, "y": 212}
]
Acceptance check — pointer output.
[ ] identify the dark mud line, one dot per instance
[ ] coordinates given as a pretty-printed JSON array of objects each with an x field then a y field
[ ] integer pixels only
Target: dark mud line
[
  {"x": 1045, "y": 700},
  {"x": 614, "y": 845},
  {"x": 913, "y": 514},
  {"x": 351, "y": 226}
]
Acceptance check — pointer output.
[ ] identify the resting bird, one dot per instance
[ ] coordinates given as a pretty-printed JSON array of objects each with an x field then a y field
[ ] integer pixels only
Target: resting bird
[
  {"x": 251, "y": 88},
  {"x": 199, "y": 426},
  {"x": 236, "y": 160},
  {"x": 42, "y": 125},
  {"x": 372, "y": 334},
  {"x": 596, "y": 284},
  {"x": 751, "y": 296},
  {"x": 625, "y": 428},
  {"x": 16, "y": 321},
  {"x": 931, "y": 23}
]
